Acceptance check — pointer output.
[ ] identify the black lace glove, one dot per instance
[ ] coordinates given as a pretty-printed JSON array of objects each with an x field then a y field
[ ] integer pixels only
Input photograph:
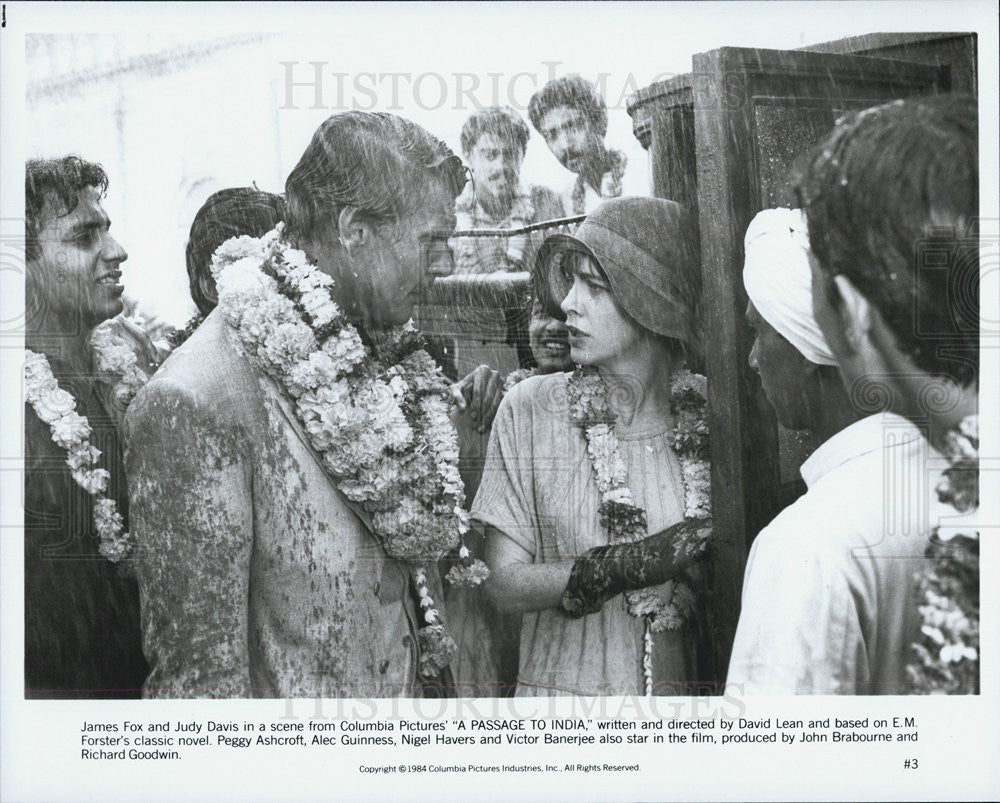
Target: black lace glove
[{"x": 607, "y": 571}]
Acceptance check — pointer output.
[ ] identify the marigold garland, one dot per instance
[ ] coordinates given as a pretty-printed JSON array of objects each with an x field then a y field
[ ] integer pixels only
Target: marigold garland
[
  {"x": 945, "y": 658},
  {"x": 71, "y": 431},
  {"x": 377, "y": 412}
]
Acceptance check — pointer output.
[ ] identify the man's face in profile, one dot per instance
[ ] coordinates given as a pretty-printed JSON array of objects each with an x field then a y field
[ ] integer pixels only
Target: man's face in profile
[
  {"x": 77, "y": 274},
  {"x": 406, "y": 256},
  {"x": 784, "y": 373}
]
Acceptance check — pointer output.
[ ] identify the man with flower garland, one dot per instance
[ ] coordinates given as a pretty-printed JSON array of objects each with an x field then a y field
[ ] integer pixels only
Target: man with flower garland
[
  {"x": 896, "y": 292},
  {"x": 81, "y": 612},
  {"x": 293, "y": 465},
  {"x": 572, "y": 117}
]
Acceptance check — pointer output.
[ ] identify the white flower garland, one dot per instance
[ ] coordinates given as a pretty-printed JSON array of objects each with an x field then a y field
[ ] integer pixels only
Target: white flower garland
[
  {"x": 665, "y": 607},
  {"x": 377, "y": 414},
  {"x": 113, "y": 355},
  {"x": 71, "y": 431},
  {"x": 945, "y": 657},
  {"x": 115, "y": 359}
]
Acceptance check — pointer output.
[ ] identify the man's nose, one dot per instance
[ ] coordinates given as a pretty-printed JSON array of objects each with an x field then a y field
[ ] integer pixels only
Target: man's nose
[
  {"x": 753, "y": 357},
  {"x": 441, "y": 263},
  {"x": 113, "y": 251}
]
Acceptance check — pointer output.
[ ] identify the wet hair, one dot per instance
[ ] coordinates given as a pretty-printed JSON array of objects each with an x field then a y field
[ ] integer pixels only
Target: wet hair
[
  {"x": 502, "y": 121},
  {"x": 892, "y": 199},
  {"x": 227, "y": 213},
  {"x": 377, "y": 162},
  {"x": 62, "y": 179},
  {"x": 575, "y": 92}
]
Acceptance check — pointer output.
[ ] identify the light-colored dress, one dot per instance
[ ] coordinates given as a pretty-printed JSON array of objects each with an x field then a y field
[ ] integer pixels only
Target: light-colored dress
[{"x": 538, "y": 489}]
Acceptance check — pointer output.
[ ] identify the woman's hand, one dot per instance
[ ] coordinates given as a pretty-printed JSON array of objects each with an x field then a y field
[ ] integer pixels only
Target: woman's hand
[
  {"x": 479, "y": 395},
  {"x": 606, "y": 571}
]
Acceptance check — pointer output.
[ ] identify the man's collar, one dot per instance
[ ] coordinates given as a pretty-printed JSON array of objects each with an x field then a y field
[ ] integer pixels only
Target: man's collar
[{"x": 879, "y": 431}]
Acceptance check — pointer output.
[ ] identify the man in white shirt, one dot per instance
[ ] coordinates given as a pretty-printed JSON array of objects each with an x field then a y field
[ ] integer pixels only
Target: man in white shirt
[
  {"x": 829, "y": 591},
  {"x": 572, "y": 117}
]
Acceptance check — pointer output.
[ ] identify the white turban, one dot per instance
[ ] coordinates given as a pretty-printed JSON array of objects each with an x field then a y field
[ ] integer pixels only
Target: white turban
[{"x": 778, "y": 280}]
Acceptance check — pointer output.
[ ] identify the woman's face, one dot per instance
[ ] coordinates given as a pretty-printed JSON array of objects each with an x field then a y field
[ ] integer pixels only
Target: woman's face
[
  {"x": 548, "y": 339},
  {"x": 600, "y": 333}
]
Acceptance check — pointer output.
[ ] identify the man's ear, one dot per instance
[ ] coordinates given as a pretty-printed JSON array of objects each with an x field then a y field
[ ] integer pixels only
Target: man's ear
[
  {"x": 354, "y": 227},
  {"x": 208, "y": 289},
  {"x": 855, "y": 313}
]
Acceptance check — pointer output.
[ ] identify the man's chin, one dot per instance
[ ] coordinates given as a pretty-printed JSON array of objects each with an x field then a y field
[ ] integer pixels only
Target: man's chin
[
  {"x": 498, "y": 197},
  {"x": 547, "y": 365},
  {"x": 112, "y": 309}
]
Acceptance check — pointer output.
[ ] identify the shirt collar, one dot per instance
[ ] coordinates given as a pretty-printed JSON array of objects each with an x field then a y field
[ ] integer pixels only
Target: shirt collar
[{"x": 860, "y": 438}]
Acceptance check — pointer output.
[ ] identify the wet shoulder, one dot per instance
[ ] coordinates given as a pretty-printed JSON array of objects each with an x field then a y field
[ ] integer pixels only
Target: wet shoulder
[{"x": 206, "y": 375}]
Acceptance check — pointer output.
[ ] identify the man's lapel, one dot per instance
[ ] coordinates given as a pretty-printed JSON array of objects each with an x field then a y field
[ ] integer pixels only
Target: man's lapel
[{"x": 285, "y": 405}]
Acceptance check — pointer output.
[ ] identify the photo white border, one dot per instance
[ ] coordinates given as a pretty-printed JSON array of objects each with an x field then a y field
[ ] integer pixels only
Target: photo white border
[{"x": 39, "y": 741}]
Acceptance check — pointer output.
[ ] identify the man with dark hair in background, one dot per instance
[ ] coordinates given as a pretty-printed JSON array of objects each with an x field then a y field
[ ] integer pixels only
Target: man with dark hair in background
[
  {"x": 81, "y": 612},
  {"x": 260, "y": 575},
  {"x": 494, "y": 141},
  {"x": 572, "y": 117},
  {"x": 227, "y": 213}
]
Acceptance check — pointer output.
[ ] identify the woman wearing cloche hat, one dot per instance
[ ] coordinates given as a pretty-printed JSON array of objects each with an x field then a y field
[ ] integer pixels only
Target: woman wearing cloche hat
[{"x": 594, "y": 497}]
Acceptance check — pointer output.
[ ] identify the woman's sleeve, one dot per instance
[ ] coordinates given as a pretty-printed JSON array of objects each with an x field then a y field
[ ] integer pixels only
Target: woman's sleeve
[
  {"x": 191, "y": 514},
  {"x": 505, "y": 499}
]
